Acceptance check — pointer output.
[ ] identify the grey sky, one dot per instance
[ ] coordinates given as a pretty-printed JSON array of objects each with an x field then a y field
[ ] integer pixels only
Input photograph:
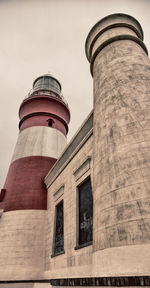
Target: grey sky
[{"x": 41, "y": 36}]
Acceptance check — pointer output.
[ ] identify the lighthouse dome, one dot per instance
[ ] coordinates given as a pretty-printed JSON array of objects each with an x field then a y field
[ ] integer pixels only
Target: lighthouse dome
[{"x": 47, "y": 82}]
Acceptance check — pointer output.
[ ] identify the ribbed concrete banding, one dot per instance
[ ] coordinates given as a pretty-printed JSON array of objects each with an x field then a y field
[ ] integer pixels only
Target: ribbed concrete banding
[
  {"x": 39, "y": 141},
  {"x": 110, "y": 25},
  {"x": 121, "y": 73},
  {"x": 113, "y": 32}
]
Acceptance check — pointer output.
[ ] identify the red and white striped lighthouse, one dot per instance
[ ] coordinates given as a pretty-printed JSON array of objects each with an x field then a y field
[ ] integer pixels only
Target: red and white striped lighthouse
[{"x": 44, "y": 118}]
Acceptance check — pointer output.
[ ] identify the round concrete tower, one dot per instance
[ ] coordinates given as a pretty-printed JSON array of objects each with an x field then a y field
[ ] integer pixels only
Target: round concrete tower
[
  {"x": 121, "y": 74},
  {"x": 44, "y": 118}
]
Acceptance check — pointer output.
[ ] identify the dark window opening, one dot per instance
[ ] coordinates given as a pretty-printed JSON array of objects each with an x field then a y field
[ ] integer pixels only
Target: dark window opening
[
  {"x": 85, "y": 213},
  {"x": 50, "y": 122},
  {"x": 2, "y": 194},
  {"x": 59, "y": 229}
]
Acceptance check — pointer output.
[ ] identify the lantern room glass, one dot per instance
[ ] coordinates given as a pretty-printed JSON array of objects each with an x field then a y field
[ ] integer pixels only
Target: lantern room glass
[{"x": 47, "y": 83}]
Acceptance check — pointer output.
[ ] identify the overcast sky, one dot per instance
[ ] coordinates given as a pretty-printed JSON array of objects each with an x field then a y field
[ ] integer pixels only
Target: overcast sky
[{"x": 41, "y": 36}]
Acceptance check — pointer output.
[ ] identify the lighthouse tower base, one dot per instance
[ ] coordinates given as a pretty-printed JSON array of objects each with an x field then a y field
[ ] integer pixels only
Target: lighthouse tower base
[
  {"x": 22, "y": 247},
  {"x": 25, "y": 285}
]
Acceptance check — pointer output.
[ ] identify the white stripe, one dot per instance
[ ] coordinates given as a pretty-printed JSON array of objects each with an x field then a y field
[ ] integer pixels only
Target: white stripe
[{"x": 39, "y": 141}]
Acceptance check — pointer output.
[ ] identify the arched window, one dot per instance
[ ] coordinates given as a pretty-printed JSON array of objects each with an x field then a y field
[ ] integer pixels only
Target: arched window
[{"x": 50, "y": 122}]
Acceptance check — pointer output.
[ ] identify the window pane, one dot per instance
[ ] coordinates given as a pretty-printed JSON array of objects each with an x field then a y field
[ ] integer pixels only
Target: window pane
[
  {"x": 59, "y": 231},
  {"x": 38, "y": 83},
  {"x": 46, "y": 81},
  {"x": 85, "y": 212}
]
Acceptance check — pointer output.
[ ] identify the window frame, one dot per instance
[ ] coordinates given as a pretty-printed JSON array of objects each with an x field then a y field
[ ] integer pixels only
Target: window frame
[
  {"x": 54, "y": 231},
  {"x": 78, "y": 245}
]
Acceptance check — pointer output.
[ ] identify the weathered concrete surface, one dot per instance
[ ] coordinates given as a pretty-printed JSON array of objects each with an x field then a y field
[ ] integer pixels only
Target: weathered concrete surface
[
  {"x": 22, "y": 238},
  {"x": 39, "y": 141},
  {"x": 114, "y": 151},
  {"x": 108, "y": 25},
  {"x": 62, "y": 185},
  {"x": 121, "y": 156},
  {"x": 71, "y": 149},
  {"x": 25, "y": 285}
]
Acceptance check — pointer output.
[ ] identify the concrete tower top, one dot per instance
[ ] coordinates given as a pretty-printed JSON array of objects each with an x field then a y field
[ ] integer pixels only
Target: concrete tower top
[{"x": 111, "y": 28}]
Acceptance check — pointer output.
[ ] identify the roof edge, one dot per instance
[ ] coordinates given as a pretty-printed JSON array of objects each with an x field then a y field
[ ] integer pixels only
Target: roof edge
[{"x": 112, "y": 16}]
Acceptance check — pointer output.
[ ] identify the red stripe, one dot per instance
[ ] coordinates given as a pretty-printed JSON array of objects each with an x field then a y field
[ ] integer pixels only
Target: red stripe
[
  {"x": 41, "y": 120},
  {"x": 25, "y": 188},
  {"x": 44, "y": 104}
]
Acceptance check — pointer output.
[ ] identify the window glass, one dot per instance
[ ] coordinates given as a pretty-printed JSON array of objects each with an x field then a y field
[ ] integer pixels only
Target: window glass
[
  {"x": 38, "y": 83},
  {"x": 48, "y": 84},
  {"x": 85, "y": 212},
  {"x": 59, "y": 229},
  {"x": 46, "y": 81}
]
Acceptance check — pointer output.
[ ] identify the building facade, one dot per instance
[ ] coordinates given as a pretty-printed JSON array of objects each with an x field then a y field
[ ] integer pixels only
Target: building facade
[{"x": 94, "y": 229}]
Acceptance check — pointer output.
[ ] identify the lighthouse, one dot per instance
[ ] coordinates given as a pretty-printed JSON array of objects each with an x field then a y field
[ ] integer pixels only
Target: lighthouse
[
  {"x": 44, "y": 117},
  {"x": 84, "y": 220}
]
